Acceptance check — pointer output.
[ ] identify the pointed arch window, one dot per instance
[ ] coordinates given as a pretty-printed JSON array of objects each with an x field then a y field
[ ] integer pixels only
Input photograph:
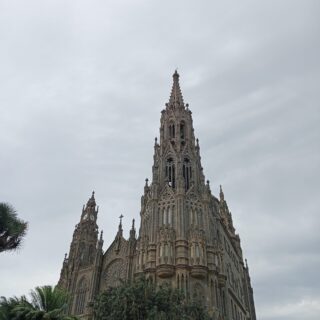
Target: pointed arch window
[
  {"x": 161, "y": 250},
  {"x": 91, "y": 253},
  {"x": 82, "y": 253},
  {"x": 197, "y": 251},
  {"x": 182, "y": 130},
  {"x": 164, "y": 214},
  {"x": 170, "y": 172},
  {"x": 169, "y": 215},
  {"x": 81, "y": 296},
  {"x": 172, "y": 130},
  {"x": 187, "y": 173},
  {"x": 166, "y": 250}
]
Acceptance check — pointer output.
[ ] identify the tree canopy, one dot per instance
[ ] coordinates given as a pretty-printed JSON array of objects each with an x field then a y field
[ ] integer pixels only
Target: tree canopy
[
  {"x": 12, "y": 229},
  {"x": 141, "y": 300},
  {"x": 46, "y": 302}
]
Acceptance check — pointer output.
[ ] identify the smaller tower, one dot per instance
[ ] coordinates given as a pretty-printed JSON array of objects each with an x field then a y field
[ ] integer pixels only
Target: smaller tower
[{"x": 80, "y": 269}]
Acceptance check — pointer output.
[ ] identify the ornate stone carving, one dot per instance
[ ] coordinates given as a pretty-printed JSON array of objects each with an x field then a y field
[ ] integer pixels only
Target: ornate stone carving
[{"x": 114, "y": 273}]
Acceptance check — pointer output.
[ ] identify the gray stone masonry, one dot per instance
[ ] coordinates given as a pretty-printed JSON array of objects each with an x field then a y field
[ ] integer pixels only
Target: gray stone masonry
[{"x": 186, "y": 236}]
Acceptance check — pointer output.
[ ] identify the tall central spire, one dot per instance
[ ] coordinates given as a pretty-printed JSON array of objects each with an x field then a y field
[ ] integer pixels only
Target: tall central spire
[{"x": 176, "y": 95}]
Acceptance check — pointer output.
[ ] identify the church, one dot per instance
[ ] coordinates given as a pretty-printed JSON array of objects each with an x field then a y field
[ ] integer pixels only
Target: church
[{"x": 186, "y": 235}]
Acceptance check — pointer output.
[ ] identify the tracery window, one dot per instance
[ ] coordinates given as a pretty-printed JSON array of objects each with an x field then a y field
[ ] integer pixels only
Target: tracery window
[
  {"x": 187, "y": 173},
  {"x": 115, "y": 272},
  {"x": 170, "y": 172},
  {"x": 172, "y": 130},
  {"x": 81, "y": 296}
]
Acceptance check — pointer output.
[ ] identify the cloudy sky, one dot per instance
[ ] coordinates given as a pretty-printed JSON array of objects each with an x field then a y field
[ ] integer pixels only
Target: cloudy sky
[{"x": 82, "y": 85}]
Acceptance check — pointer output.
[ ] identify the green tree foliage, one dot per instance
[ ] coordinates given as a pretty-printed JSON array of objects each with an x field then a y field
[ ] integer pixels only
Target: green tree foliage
[
  {"x": 7, "y": 306},
  {"x": 141, "y": 300},
  {"x": 46, "y": 303},
  {"x": 12, "y": 229}
]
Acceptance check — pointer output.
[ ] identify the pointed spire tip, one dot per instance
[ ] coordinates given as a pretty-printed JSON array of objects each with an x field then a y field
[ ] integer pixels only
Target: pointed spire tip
[{"x": 176, "y": 95}]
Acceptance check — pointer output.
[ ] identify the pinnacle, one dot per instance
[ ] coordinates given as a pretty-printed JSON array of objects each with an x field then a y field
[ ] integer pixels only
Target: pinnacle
[
  {"x": 221, "y": 193},
  {"x": 176, "y": 95},
  {"x": 91, "y": 202}
]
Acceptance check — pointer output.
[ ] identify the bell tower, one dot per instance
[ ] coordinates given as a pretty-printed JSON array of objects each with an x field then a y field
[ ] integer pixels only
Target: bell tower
[
  {"x": 186, "y": 237},
  {"x": 175, "y": 241},
  {"x": 79, "y": 274}
]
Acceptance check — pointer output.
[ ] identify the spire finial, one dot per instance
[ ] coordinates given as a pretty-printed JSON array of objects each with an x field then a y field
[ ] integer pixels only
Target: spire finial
[
  {"x": 121, "y": 216},
  {"x": 221, "y": 193},
  {"x": 91, "y": 202},
  {"x": 147, "y": 180},
  {"x": 133, "y": 223},
  {"x": 176, "y": 95}
]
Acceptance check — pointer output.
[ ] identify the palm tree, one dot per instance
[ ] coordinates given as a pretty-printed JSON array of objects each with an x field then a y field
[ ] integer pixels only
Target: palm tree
[
  {"x": 12, "y": 229},
  {"x": 47, "y": 303},
  {"x": 7, "y": 306}
]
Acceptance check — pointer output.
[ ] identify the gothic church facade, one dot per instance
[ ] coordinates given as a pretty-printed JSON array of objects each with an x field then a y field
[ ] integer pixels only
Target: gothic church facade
[{"x": 186, "y": 236}]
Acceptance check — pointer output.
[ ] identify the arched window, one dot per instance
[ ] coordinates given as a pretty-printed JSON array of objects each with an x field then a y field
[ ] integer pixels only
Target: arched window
[
  {"x": 82, "y": 253},
  {"x": 197, "y": 251},
  {"x": 172, "y": 130},
  {"x": 192, "y": 217},
  {"x": 169, "y": 216},
  {"x": 182, "y": 130},
  {"x": 170, "y": 172},
  {"x": 91, "y": 254},
  {"x": 187, "y": 173},
  {"x": 200, "y": 218},
  {"x": 164, "y": 221},
  {"x": 195, "y": 217},
  {"x": 81, "y": 296}
]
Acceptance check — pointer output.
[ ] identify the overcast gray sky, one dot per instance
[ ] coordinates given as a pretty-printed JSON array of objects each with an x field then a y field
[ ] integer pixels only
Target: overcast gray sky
[{"x": 82, "y": 85}]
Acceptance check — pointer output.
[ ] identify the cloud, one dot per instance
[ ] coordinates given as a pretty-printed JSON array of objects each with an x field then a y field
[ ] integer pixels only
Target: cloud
[{"x": 82, "y": 86}]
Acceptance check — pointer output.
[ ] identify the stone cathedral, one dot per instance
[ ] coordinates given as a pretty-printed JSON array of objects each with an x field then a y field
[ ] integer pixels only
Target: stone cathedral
[{"x": 186, "y": 237}]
